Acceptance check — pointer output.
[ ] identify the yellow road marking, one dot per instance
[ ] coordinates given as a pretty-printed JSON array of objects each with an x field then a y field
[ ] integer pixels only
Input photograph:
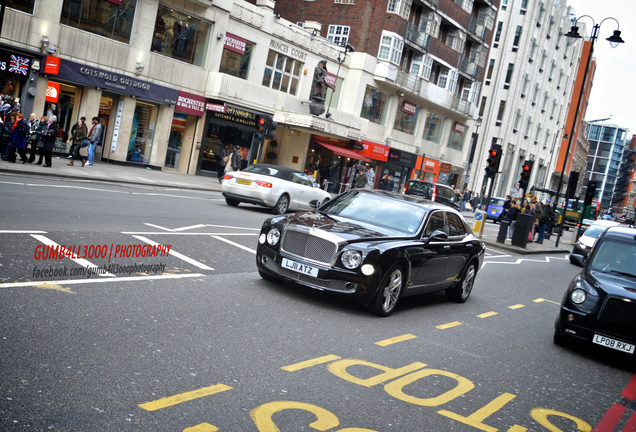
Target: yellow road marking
[
  {"x": 203, "y": 427},
  {"x": 448, "y": 325},
  {"x": 309, "y": 363},
  {"x": 487, "y": 314},
  {"x": 183, "y": 397},
  {"x": 541, "y": 300},
  {"x": 517, "y": 306},
  {"x": 396, "y": 339}
]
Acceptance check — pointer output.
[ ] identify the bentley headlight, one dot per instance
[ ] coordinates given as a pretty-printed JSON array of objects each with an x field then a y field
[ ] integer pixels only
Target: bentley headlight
[
  {"x": 578, "y": 296},
  {"x": 351, "y": 259},
  {"x": 273, "y": 236}
]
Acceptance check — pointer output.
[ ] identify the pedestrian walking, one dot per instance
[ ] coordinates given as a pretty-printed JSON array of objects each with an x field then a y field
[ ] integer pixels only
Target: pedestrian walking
[
  {"x": 465, "y": 200},
  {"x": 80, "y": 132},
  {"x": 7, "y": 128},
  {"x": 94, "y": 136},
  {"x": 19, "y": 135},
  {"x": 71, "y": 150},
  {"x": 39, "y": 137},
  {"x": 48, "y": 133},
  {"x": 235, "y": 159},
  {"x": 32, "y": 140},
  {"x": 511, "y": 217}
]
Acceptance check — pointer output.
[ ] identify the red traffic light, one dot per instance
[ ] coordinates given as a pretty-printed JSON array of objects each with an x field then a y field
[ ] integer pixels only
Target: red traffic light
[
  {"x": 493, "y": 153},
  {"x": 526, "y": 167},
  {"x": 261, "y": 121}
]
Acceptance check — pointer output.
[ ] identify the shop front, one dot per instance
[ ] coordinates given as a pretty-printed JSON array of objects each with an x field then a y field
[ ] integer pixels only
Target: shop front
[
  {"x": 189, "y": 109},
  {"x": 397, "y": 169},
  {"x": 335, "y": 163},
  {"x": 18, "y": 73},
  {"x": 227, "y": 126},
  {"x": 426, "y": 169},
  {"x": 129, "y": 110}
]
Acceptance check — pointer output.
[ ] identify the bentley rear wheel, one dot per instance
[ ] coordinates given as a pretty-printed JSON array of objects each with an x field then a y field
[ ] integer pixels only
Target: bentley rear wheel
[
  {"x": 389, "y": 292},
  {"x": 461, "y": 291}
]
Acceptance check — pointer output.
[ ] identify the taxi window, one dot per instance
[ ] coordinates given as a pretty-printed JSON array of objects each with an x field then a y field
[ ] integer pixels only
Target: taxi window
[
  {"x": 455, "y": 225},
  {"x": 435, "y": 222}
]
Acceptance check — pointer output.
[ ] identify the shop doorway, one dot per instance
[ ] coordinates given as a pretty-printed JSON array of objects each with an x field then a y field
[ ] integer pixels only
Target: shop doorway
[
  {"x": 65, "y": 111},
  {"x": 106, "y": 104},
  {"x": 218, "y": 144},
  {"x": 142, "y": 133}
]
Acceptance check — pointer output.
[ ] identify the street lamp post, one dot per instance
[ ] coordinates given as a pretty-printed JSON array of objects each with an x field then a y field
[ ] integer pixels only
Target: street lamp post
[
  {"x": 348, "y": 48},
  {"x": 614, "y": 40}
]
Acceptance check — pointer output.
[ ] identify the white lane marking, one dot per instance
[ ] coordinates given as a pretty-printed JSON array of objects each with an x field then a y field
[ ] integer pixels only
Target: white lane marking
[
  {"x": 194, "y": 227},
  {"x": 21, "y": 232},
  {"x": 240, "y": 246},
  {"x": 89, "y": 281},
  {"x": 546, "y": 259},
  {"x": 234, "y": 227},
  {"x": 189, "y": 227},
  {"x": 185, "y": 233},
  {"x": 63, "y": 251},
  {"x": 15, "y": 183},
  {"x": 175, "y": 254},
  {"x": 77, "y": 187},
  {"x": 497, "y": 256},
  {"x": 169, "y": 195},
  {"x": 157, "y": 226}
]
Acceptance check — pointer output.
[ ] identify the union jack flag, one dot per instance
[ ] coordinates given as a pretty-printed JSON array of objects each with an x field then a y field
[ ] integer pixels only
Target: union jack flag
[{"x": 19, "y": 65}]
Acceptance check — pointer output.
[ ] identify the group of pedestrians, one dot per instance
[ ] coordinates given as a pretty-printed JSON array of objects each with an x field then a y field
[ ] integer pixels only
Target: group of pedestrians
[
  {"x": 83, "y": 141},
  {"x": 541, "y": 216}
]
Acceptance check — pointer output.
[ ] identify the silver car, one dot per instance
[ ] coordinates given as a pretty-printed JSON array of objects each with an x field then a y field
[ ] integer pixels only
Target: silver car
[{"x": 277, "y": 187}]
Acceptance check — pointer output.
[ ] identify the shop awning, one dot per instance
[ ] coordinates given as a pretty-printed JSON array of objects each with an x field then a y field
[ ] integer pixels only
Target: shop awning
[{"x": 341, "y": 151}]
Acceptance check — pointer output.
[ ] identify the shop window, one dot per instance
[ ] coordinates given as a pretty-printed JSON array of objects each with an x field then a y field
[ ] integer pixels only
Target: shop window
[
  {"x": 235, "y": 63},
  {"x": 175, "y": 141},
  {"x": 113, "y": 20},
  {"x": 406, "y": 118},
  {"x": 21, "y": 5},
  {"x": 374, "y": 105},
  {"x": 142, "y": 133},
  {"x": 180, "y": 36},
  {"x": 456, "y": 139},
  {"x": 282, "y": 73},
  {"x": 433, "y": 128}
]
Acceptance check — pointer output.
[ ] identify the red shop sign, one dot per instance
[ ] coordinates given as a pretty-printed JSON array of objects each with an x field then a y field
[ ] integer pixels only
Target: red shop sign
[
  {"x": 190, "y": 104},
  {"x": 52, "y": 65},
  {"x": 52, "y": 92},
  {"x": 409, "y": 108},
  {"x": 235, "y": 43},
  {"x": 375, "y": 151}
]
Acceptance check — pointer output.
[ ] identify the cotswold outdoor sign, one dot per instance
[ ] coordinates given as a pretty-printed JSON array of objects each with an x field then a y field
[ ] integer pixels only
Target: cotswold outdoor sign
[
  {"x": 229, "y": 113},
  {"x": 123, "y": 84}
]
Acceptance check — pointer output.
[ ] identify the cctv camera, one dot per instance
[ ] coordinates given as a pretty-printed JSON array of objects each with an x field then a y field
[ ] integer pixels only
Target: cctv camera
[{"x": 349, "y": 47}]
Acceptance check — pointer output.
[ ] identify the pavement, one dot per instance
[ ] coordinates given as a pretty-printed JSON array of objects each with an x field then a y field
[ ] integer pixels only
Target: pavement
[{"x": 139, "y": 175}]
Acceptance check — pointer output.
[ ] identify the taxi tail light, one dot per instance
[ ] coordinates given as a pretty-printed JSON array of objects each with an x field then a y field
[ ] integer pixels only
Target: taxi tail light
[
  {"x": 227, "y": 177},
  {"x": 434, "y": 193},
  {"x": 263, "y": 183}
]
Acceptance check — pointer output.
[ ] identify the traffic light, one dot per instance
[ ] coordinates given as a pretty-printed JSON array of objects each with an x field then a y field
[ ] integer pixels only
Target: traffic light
[
  {"x": 589, "y": 193},
  {"x": 492, "y": 163},
  {"x": 271, "y": 129},
  {"x": 524, "y": 178},
  {"x": 261, "y": 126},
  {"x": 572, "y": 183}
]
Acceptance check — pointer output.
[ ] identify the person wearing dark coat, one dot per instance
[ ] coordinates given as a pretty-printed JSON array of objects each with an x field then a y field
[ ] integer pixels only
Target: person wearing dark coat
[
  {"x": 39, "y": 138},
  {"x": 49, "y": 132},
  {"x": 79, "y": 133},
  {"x": 19, "y": 133}
]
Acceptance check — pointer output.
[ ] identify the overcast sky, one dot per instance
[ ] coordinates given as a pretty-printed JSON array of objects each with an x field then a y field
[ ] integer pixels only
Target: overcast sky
[{"x": 614, "y": 86}]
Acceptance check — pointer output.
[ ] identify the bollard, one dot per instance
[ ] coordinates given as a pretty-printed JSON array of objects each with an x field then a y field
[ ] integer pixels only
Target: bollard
[
  {"x": 503, "y": 231},
  {"x": 522, "y": 229}
]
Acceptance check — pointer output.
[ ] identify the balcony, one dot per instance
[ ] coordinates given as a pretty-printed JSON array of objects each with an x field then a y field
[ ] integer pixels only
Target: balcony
[
  {"x": 418, "y": 37},
  {"x": 433, "y": 4},
  {"x": 410, "y": 82},
  {"x": 468, "y": 66},
  {"x": 477, "y": 27}
]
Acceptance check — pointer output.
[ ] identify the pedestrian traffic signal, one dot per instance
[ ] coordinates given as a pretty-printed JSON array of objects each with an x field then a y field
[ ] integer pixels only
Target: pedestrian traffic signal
[
  {"x": 526, "y": 170},
  {"x": 589, "y": 193},
  {"x": 492, "y": 163}
]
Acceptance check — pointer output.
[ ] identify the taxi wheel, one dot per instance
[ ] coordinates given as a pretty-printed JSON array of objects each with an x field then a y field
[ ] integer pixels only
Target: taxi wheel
[
  {"x": 461, "y": 291},
  {"x": 388, "y": 292},
  {"x": 282, "y": 205}
]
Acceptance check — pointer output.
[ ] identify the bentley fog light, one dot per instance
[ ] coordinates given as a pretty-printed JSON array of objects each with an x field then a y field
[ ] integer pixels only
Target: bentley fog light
[
  {"x": 578, "y": 296},
  {"x": 273, "y": 236},
  {"x": 351, "y": 259},
  {"x": 262, "y": 238},
  {"x": 367, "y": 269}
]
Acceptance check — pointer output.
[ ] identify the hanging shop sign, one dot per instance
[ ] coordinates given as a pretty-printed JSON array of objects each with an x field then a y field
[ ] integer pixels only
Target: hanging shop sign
[
  {"x": 403, "y": 158},
  {"x": 14, "y": 63},
  {"x": 232, "y": 114},
  {"x": 52, "y": 65},
  {"x": 445, "y": 167},
  {"x": 409, "y": 108},
  {"x": 460, "y": 127},
  {"x": 190, "y": 103},
  {"x": 234, "y": 43},
  {"x": 118, "y": 83},
  {"x": 375, "y": 151},
  {"x": 52, "y": 92},
  {"x": 330, "y": 79}
]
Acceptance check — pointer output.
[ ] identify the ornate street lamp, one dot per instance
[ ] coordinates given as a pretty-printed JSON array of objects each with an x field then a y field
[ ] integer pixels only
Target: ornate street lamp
[{"x": 614, "y": 40}]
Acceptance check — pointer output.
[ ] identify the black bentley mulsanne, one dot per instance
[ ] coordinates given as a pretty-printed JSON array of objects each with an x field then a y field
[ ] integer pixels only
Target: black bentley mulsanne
[{"x": 373, "y": 246}]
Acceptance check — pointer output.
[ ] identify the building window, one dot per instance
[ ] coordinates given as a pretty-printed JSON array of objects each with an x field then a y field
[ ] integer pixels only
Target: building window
[
  {"x": 400, "y": 7},
  {"x": 524, "y": 7},
  {"x": 236, "y": 56},
  {"x": 515, "y": 125},
  {"x": 491, "y": 66},
  {"x": 517, "y": 38},
  {"x": 282, "y": 73},
  {"x": 180, "y": 36},
  {"x": 343, "y": 1},
  {"x": 524, "y": 85},
  {"x": 498, "y": 31},
  {"x": 108, "y": 19},
  {"x": 511, "y": 68},
  {"x": 442, "y": 77},
  {"x": 338, "y": 34},
  {"x": 504, "y": 5},
  {"x": 374, "y": 105},
  {"x": 500, "y": 112},
  {"x": 482, "y": 106},
  {"x": 433, "y": 128},
  {"x": 21, "y": 5},
  {"x": 406, "y": 117},
  {"x": 391, "y": 47},
  {"x": 427, "y": 67},
  {"x": 455, "y": 139}
]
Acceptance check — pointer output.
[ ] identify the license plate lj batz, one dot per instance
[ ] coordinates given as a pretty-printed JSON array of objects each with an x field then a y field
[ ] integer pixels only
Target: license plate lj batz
[
  {"x": 300, "y": 268},
  {"x": 613, "y": 343}
]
